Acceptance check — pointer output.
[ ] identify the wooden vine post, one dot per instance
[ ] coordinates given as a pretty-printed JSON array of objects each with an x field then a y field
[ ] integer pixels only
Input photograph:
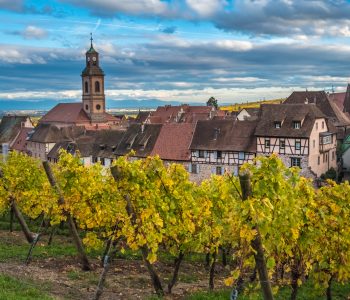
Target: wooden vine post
[
  {"x": 144, "y": 249},
  {"x": 30, "y": 236},
  {"x": 73, "y": 229},
  {"x": 256, "y": 243}
]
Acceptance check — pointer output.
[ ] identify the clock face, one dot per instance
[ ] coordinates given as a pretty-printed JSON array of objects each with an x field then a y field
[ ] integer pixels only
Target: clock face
[
  {"x": 88, "y": 58},
  {"x": 94, "y": 58}
]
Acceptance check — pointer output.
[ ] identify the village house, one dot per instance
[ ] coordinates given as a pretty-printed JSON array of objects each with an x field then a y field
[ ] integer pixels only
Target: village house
[
  {"x": 139, "y": 138},
  {"x": 42, "y": 140},
  {"x": 339, "y": 118},
  {"x": 14, "y": 131},
  {"x": 220, "y": 146},
  {"x": 173, "y": 143},
  {"x": 300, "y": 134}
]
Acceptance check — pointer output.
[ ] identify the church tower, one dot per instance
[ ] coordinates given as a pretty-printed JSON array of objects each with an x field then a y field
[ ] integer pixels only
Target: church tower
[{"x": 94, "y": 102}]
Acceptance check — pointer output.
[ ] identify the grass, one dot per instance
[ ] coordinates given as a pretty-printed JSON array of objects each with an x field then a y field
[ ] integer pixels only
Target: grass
[
  {"x": 306, "y": 292},
  {"x": 10, "y": 251},
  {"x": 13, "y": 289}
]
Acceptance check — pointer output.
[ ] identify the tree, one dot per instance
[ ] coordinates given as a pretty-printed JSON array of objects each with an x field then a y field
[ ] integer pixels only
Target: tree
[{"x": 212, "y": 102}]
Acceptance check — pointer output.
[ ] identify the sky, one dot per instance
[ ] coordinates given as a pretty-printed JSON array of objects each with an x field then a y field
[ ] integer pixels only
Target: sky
[{"x": 174, "y": 50}]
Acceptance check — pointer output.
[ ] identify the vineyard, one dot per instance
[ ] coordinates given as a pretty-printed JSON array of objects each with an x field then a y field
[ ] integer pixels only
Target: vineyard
[{"x": 265, "y": 234}]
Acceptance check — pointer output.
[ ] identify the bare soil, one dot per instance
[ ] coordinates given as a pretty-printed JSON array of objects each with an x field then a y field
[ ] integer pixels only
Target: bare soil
[{"x": 63, "y": 278}]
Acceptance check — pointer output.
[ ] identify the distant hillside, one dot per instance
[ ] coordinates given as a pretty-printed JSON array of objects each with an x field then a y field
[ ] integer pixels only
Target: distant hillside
[
  {"x": 239, "y": 106},
  {"x": 47, "y": 104}
]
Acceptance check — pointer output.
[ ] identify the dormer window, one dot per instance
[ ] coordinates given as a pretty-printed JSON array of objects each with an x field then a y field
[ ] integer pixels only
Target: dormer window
[
  {"x": 278, "y": 124},
  {"x": 296, "y": 124}
]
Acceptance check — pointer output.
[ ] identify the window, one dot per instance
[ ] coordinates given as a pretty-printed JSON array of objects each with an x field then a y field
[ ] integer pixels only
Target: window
[
  {"x": 296, "y": 124},
  {"x": 241, "y": 155},
  {"x": 94, "y": 160},
  {"x": 97, "y": 86},
  {"x": 333, "y": 155},
  {"x": 194, "y": 168},
  {"x": 322, "y": 124},
  {"x": 327, "y": 140},
  {"x": 295, "y": 162},
  {"x": 297, "y": 145},
  {"x": 218, "y": 154},
  {"x": 86, "y": 107},
  {"x": 102, "y": 160},
  {"x": 282, "y": 144},
  {"x": 98, "y": 106},
  {"x": 267, "y": 143},
  {"x": 218, "y": 171},
  {"x": 201, "y": 153},
  {"x": 86, "y": 87},
  {"x": 277, "y": 124},
  {"x": 318, "y": 160}
]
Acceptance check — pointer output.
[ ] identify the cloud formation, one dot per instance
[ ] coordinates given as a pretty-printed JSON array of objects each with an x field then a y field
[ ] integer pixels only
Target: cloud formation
[
  {"x": 112, "y": 7},
  {"x": 287, "y": 17},
  {"x": 33, "y": 32}
]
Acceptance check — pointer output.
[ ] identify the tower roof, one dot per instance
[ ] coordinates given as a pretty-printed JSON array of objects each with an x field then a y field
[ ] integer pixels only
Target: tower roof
[{"x": 92, "y": 49}]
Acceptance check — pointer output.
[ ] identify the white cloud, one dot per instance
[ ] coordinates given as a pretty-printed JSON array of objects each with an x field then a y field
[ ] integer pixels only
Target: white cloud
[
  {"x": 33, "y": 32},
  {"x": 206, "y": 8}
]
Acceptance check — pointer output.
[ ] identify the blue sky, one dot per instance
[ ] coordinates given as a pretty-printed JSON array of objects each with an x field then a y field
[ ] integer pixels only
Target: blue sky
[{"x": 185, "y": 50}]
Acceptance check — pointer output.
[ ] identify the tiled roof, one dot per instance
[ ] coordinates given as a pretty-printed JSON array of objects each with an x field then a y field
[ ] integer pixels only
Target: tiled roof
[
  {"x": 224, "y": 135},
  {"x": 106, "y": 142},
  {"x": 47, "y": 133},
  {"x": 320, "y": 98},
  {"x": 140, "y": 138},
  {"x": 72, "y": 113},
  {"x": 142, "y": 116},
  {"x": 338, "y": 99},
  {"x": 287, "y": 114},
  {"x": 10, "y": 127},
  {"x": 179, "y": 114},
  {"x": 83, "y": 143},
  {"x": 173, "y": 141},
  {"x": 66, "y": 113}
]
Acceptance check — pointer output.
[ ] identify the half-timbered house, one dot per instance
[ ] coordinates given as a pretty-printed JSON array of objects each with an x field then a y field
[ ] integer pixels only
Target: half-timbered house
[
  {"x": 300, "y": 134},
  {"x": 220, "y": 146}
]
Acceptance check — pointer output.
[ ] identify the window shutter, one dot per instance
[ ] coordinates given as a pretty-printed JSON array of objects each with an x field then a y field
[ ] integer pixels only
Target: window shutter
[
  {"x": 215, "y": 155},
  {"x": 190, "y": 168},
  {"x": 205, "y": 154},
  {"x": 213, "y": 170},
  {"x": 198, "y": 168},
  {"x": 222, "y": 170}
]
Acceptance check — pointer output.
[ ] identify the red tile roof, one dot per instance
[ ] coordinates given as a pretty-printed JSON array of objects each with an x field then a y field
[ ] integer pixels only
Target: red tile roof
[
  {"x": 338, "y": 99},
  {"x": 72, "y": 113},
  {"x": 173, "y": 141},
  {"x": 180, "y": 114},
  {"x": 66, "y": 113}
]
